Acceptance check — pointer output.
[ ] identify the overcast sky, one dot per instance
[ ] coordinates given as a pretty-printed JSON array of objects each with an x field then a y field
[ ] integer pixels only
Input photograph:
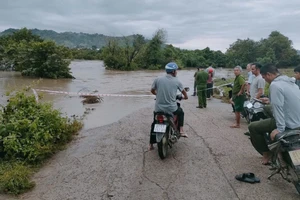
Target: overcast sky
[{"x": 190, "y": 24}]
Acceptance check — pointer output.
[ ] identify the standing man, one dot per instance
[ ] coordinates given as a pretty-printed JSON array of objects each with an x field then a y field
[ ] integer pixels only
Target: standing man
[
  {"x": 201, "y": 82},
  {"x": 195, "y": 86},
  {"x": 210, "y": 84},
  {"x": 210, "y": 68},
  {"x": 238, "y": 95},
  {"x": 258, "y": 83},
  {"x": 250, "y": 77},
  {"x": 297, "y": 75}
]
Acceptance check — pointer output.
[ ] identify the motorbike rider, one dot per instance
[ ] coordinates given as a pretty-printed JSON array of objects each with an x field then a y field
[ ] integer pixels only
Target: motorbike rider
[
  {"x": 284, "y": 100},
  {"x": 257, "y": 85},
  {"x": 165, "y": 88}
]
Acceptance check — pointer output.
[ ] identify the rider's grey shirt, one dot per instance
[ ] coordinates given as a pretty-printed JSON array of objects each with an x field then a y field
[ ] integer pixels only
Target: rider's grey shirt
[
  {"x": 285, "y": 101},
  {"x": 257, "y": 83},
  {"x": 166, "y": 89}
]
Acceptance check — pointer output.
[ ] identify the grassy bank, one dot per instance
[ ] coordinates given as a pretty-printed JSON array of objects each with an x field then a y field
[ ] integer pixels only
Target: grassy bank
[
  {"x": 225, "y": 98},
  {"x": 30, "y": 133}
]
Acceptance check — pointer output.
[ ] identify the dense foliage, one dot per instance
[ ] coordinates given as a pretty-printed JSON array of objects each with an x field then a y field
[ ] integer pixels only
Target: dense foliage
[
  {"x": 30, "y": 132},
  {"x": 276, "y": 49},
  {"x": 25, "y": 51},
  {"x": 32, "y": 56}
]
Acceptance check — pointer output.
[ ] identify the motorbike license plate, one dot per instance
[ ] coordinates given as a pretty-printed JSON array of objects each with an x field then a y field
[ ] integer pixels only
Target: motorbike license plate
[
  {"x": 160, "y": 128},
  {"x": 295, "y": 156}
]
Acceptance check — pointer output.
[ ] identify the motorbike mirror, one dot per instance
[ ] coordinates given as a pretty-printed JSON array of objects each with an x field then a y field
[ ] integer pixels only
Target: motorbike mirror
[{"x": 187, "y": 89}]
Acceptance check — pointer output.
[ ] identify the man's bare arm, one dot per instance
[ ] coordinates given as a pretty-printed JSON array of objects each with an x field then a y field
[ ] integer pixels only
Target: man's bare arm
[
  {"x": 242, "y": 89},
  {"x": 153, "y": 91},
  {"x": 259, "y": 93},
  {"x": 184, "y": 94}
]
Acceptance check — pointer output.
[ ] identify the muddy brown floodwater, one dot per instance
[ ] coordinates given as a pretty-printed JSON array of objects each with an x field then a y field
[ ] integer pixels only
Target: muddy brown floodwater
[{"x": 91, "y": 76}]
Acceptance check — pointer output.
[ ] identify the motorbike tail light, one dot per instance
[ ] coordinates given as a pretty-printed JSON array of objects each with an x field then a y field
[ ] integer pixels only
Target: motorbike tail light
[{"x": 160, "y": 118}]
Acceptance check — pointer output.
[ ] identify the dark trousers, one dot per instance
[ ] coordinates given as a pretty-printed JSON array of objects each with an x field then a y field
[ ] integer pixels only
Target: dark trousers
[
  {"x": 209, "y": 90},
  {"x": 180, "y": 116},
  {"x": 257, "y": 130},
  {"x": 201, "y": 92}
]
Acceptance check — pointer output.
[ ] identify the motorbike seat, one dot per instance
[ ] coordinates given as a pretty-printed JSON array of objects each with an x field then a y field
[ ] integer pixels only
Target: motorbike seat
[
  {"x": 286, "y": 134},
  {"x": 164, "y": 113}
]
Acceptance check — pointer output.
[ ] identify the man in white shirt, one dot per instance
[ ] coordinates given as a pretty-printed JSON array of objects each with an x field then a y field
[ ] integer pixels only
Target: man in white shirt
[
  {"x": 250, "y": 77},
  {"x": 258, "y": 83}
]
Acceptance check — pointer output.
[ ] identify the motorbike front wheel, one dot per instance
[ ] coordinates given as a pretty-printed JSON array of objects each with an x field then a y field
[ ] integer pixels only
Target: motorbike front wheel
[
  {"x": 162, "y": 146},
  {"x": 246, "y": 115}
]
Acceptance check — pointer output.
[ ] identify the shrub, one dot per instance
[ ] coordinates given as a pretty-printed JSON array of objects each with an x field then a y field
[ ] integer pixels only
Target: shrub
[
  {"x": 30, "y": 132},
  {"x": 15, "y": 178}
]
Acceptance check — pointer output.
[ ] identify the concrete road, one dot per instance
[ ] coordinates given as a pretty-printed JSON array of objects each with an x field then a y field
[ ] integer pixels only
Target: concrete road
[{"x": 113, "y": 162}]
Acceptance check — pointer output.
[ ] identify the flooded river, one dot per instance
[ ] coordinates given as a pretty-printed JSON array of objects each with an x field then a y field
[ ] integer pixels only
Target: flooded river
[{"x": 91, "y": 76}]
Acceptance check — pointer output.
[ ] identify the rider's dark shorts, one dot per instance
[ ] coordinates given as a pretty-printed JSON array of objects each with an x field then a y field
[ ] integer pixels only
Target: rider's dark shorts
[{"x": 239, "y": 103}]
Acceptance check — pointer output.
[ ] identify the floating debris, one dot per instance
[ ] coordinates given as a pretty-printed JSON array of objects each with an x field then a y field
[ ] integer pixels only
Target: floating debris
[{"x": 88, "y": 99}]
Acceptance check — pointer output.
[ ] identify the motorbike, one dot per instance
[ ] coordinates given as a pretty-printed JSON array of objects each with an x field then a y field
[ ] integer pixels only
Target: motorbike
[
  {"x": 165, "y": 129},
  {"x": 285, "y": 158},
  {"x": 253, "y": 110}
]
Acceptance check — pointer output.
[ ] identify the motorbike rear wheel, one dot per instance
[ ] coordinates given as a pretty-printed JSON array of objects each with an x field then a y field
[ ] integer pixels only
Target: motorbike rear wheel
[{"x": 162, "y": 146}]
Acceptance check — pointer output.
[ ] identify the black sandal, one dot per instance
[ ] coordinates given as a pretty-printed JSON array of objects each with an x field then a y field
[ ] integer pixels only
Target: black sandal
[{"x": 248, "y": 178}]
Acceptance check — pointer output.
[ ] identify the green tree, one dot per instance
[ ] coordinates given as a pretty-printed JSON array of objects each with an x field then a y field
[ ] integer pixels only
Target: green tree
[
  {"x": 24, "y": 35},
  {"x": 42, "y": 59},
  {"x": 154, "y": 54},
  {"x": 32, "y": 56},
  {"x": 113, "y": 55},
  {"x": 131, "y": 51},
  {"x": 242, "y": 52}
]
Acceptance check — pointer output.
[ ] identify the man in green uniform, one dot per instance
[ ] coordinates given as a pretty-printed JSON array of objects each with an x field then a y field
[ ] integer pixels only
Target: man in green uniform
[
  {"x": 238, "y": 95},
  {"x": 201, "y": 82}
]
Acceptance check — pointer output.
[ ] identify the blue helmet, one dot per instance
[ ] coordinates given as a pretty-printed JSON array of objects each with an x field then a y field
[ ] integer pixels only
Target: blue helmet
[{"x": 170, "y": 67}]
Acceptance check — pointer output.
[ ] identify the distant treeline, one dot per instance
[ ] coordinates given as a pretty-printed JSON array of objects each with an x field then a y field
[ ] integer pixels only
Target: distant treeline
[{"x": 33, "y": 56}]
